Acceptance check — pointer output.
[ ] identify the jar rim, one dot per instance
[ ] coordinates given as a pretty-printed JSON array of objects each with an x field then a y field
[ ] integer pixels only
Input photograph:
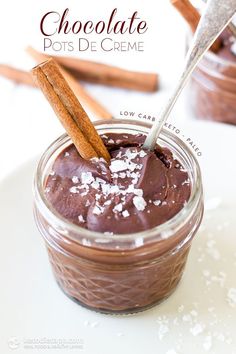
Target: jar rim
[{"x": 68, "y": 228}]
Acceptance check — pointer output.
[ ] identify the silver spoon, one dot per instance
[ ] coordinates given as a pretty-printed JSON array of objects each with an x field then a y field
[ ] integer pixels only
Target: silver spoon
[
  {"x": 232, "y": 24},
  {"x": 215, "y": 18}
]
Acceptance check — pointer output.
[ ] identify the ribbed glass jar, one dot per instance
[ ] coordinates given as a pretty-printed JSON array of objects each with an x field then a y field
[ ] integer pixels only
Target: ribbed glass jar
[{"x": 119, "y": 273}]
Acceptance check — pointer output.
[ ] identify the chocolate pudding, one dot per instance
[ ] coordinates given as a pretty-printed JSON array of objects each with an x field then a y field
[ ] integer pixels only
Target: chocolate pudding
[
  {"x": 118, "y": 234},
  {"x": 136, "y": 191}
]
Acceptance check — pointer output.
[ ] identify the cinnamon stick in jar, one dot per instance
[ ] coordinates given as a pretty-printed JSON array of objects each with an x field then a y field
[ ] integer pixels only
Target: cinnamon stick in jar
[
  {"x": 80, "y": 92},
  {"x": 192, "y": 17},
  {"x": 104, "y": 74},
  {"x": 69, "y": 110}
]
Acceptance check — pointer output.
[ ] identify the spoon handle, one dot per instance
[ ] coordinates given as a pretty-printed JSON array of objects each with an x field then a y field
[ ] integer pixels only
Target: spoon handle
[{"x": 215, "y": 18}]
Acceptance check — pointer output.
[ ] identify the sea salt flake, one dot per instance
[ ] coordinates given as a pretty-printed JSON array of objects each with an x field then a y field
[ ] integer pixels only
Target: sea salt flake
[
  {"x": 84, "y": 194},
  {"x": 156, "y": 202},
  {"x": 122, "y": 174},
  {"x": 98, "y": 210},
  {"x": 74, "y": 190},
  {"x": 194, "y": 313},
  {"x": 138, "y": 192},
  {"x": 163, "y": 330},
  {"x": 94, "y": 159},
  {"x": 114, "y": 189},
  {"x": 187, "y": 318},
  {"x": 94, "y": 324},
  {"x": 231, "y": 297},
  {"x": 187, "y": 181},
  {"x": 197, "y": 329},
  {"x": 132, "y": 166},
  {"x": 131, "y": 154},
  {"x": 118, "y": 165},
  {"x": 106, "y": 189},
  {"x": 125, "y": 213},
  {"x": 181, "y": 308},
  {"x": 207, "y": 343},
  {"x": 66, "y": 154},
  {"x": 142, "y": 153},
  {"x": 118, "y": 207},
  {"x": 87, "y": 177},
  {"x": 81, "y": 218},
  {"x": 100, "y": 180},
  {"x": 75, "y": 179},
  {"x": 139, "y": 203},
  {"x": 95, "y": 184}
]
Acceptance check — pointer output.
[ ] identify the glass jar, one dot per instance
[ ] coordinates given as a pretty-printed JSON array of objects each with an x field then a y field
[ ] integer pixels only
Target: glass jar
[
  {"x": 212, "y": 89},
  {"x": 119, "y": 273}
]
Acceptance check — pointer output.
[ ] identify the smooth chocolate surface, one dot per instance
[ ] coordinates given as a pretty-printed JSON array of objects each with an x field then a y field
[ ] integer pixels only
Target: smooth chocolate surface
[{"x": 137, "y": 191}]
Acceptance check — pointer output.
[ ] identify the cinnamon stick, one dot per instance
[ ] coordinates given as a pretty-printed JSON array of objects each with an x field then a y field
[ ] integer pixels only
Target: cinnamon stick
[
  {"x": 16, "y": 75},
  {"x": 99, "y": 73},
  {"x": 69, "y": 110},
  {"x": 192, "y": 16},
  {"x": 79, "y": 91},
  {"x": 24, "y": 77}
]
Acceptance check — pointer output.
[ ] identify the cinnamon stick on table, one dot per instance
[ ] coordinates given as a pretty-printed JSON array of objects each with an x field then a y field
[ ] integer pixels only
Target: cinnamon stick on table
[
  {"x": 192, "y": 16},
  {"x": 68, "y": 109},
  {"x": 99, "y": 73},
  {"x": 16, "y": 75}
]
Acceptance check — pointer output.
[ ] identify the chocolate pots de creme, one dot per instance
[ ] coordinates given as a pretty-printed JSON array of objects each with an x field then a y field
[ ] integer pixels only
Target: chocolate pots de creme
[{"x": 118, "y": 233}]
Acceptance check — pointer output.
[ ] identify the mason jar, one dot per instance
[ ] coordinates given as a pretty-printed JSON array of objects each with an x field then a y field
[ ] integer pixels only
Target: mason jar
[
  {"x": 119, "y": 273},
  {"x": 212, "y": 89}
]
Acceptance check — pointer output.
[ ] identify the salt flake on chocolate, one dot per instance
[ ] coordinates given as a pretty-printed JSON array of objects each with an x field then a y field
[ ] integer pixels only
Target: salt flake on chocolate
[
  {"x": 75, "y": 179},
  {"x": 139, "y": 203},
  {"x": 125, "y": 213},
  {"x": 118, "y": 207},
  {"x": 74, "y": 190},
  {"x": 97, "y": 210},
  {"x": 81, "y": 218},
  {"x": 142, "y": 153},
  {"x": 87, "y": 177},
  {"x": 118, "y": 165}
]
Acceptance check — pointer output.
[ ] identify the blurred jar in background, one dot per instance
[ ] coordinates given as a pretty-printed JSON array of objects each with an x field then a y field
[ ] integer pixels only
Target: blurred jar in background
[{"x": 212, "y": 89}]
